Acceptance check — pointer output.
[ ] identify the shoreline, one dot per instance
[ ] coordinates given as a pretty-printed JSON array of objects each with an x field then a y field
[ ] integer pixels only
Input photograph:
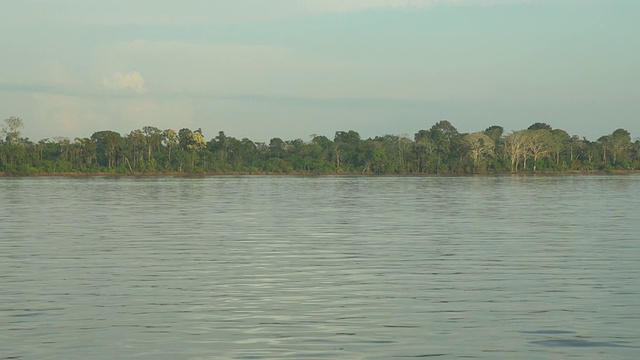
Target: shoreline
[{"x": 258, "y": 173}]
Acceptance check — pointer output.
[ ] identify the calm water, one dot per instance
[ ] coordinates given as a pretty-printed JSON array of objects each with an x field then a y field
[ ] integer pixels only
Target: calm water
[{"x": 504, "y": 267}]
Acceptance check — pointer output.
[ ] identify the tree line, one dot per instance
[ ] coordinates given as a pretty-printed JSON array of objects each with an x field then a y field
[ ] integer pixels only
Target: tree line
[{"x": 440, "y": 149}]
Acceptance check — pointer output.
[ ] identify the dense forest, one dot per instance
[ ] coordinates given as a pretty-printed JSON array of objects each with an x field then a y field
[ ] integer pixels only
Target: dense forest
[{"x": 439, "y": 149}]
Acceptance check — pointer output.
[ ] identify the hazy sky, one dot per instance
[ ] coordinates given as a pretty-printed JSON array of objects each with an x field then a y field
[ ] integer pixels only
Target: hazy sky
[{"x": 291, "y": 68}]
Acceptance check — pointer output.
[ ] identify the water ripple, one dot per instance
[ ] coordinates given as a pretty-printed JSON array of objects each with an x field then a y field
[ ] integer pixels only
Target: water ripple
[{"x": 494, "y": 267}]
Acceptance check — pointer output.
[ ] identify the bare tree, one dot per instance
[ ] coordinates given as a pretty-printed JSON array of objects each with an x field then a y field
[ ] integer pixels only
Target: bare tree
[
  {"x": 515, "y": 147},
  {"x": 537, "y": 145},
  {"x": 171, "y": 140},
  {"x": 11, "y": 130},
  {"x": 481, "y": 147}
]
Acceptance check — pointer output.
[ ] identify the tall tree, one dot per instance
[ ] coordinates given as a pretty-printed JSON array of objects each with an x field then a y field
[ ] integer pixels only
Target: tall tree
[
  {"x": 11, "y": 130},
  {"x": 192, "y": 141},
  {"x": 620, "y": 144},
  {"x": 636, "y": 151},
  {"x": 515, "y": 146},
  {"x": 424, "y": 148},
  {"x": 448, "y": 144},
  {"x": 537, "y": 145},
  {"x": 481, "y": 147},
  {"x": 346, "y": 144},
  {"x": 559, "y": 140},
  {"x": 604, "y": 142},
  {"x": 153, "y": 140},
  {"x": 108, "y": 146},
  {"x": 171, "y": 141},
  {"x": 495, "y": 132},
  {"x": 277, "y": 148},
  {"x": 540, "y": 126},
  {"x": 88, "y": 150},
  {"x": 136, "y": 144},
  {"x": 221, "y": 144}
]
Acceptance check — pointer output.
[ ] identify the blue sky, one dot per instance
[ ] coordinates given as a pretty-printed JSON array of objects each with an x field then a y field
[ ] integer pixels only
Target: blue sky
[{"x": 292, "y": 68}]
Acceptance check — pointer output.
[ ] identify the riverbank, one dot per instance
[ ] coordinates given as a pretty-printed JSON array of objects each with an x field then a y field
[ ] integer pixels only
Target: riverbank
[{"x": 262, "y": 173}]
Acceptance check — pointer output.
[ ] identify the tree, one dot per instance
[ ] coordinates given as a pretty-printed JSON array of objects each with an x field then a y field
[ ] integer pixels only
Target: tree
[
  {"x": 424, "y": 148},
  {"x": 558, "y": 142},
  {"x": 64, "y": 144},
  {"x": 322, "y": 153},
  {"x": 604, "y": 142},
  {"x": 373, "y": 156},
  {"x": 636, "y": 152},
  {"x": 221, "y": 144},
  {"x": 277, "y": 148},
  {"x": 171, "y": 141},
  {"x": 441, "y": 148},
  {"x": 322, "y": 140},
  {"x": 11, "y": 130},
  {"x": 346, "y": 144},
  {"x": 540, "y": 126},
  {"x": 448, "y": 144},
  {"x": 40, "y": 147},
  {"x": 246, "y": 152},
  {"x": 481, "y": 146},
  {"x": 620, "y": 144},
  {"x": 576, "y": 147},
  {"x": 495, "y": 132},
  {"x": 136, "y": 144},
  {"x": 591, "y": 152},
  {"x": 515, "y": 146},
  {"x": 108, "y": 145},
  {"x": 536, "y": 145},
  {"x": 88, "y": 150},
  {"x": 192, "y": 141},
  {"x": 153, "y": 139}
]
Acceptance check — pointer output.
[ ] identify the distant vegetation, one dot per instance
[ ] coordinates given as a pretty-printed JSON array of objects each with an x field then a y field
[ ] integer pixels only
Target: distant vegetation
[{"x": 440, "y": 149}]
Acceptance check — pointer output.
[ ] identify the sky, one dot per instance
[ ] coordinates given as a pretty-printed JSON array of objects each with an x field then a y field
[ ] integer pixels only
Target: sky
[{"x": 292, "y": 68}]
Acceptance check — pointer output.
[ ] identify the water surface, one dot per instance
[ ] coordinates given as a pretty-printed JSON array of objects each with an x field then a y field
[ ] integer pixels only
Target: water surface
[{"x": 495, "y": 267}]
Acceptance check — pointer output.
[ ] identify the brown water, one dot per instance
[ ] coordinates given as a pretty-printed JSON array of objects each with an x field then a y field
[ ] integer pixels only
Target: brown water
[{"x": 496, "y": 267}]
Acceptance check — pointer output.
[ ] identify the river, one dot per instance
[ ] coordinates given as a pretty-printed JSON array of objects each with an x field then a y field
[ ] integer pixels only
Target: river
[{"x": 277, "y": 267}]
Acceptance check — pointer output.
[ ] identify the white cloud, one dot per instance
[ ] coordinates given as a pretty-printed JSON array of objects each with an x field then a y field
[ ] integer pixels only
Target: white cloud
[
  {"x": 224, "y": 69},
  {"x": 130, "y": 80},
  {"x": 198, "y": 70}
]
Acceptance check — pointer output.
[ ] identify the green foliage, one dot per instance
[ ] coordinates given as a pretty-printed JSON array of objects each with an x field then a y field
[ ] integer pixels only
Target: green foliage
[
  {"x": 495, "y": 132},
  {"x": 540, "y": 126},
  {"x": 108, "y": 146},
  {"x": 438, "y": 149}
]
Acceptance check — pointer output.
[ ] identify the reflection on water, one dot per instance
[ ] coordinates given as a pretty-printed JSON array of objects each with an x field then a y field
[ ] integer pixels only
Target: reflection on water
[{"x": 495, "y": 267}]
